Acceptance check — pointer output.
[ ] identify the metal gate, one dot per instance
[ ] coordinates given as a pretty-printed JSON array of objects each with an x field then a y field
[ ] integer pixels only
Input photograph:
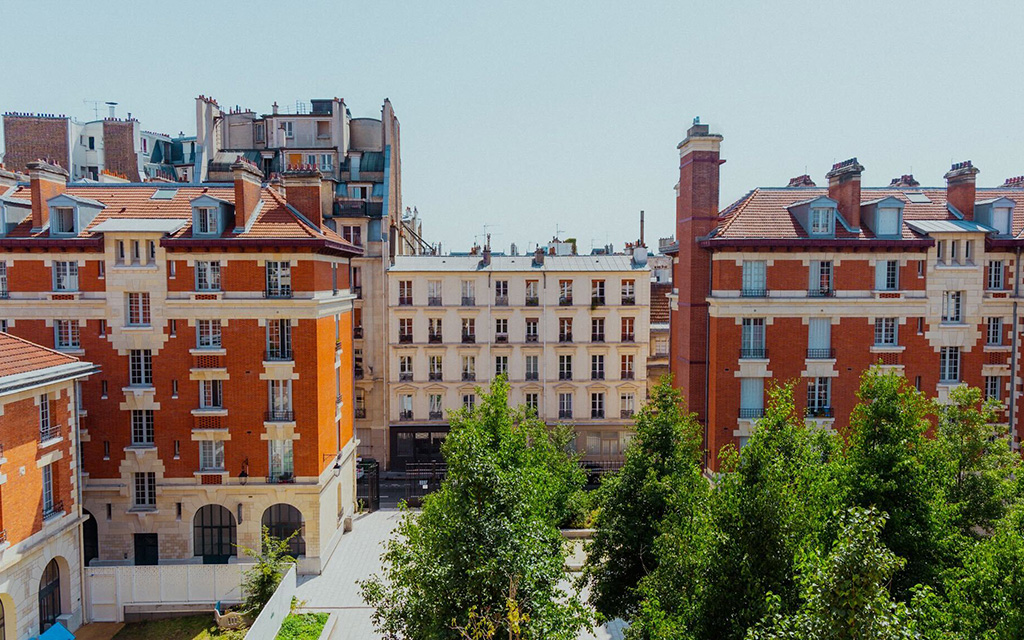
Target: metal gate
[
  {"x": 422, "y": 478},
  {"x": 368, "y": 483}
]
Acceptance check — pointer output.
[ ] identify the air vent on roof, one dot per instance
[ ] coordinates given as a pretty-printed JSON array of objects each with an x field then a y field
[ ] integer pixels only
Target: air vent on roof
[
  {"x": 163, "y": 194},
  {"x": 917, "y": 197}
]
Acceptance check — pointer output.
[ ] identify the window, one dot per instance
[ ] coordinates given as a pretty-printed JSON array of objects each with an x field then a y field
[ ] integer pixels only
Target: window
[
  {"x": 436, "y": 367},
  {"x": 888, "y": 221},
  {"x": 469, "y": 329},
  {"x": 994, "y": 331},
  {"x": 819, "y": 397},
  {"x": 954, "y": 251},
  {"x": 500, "y": 365},
  {"x": 279, "y": 339},
  {"x": 751, "y": 397},
  {"x": 48, "y": 492},
  {"x": 405, "y": 368},
  {"x": 405, "y": 406},
  {"x": 533, "y": 401},
  {"x": 140, "y": 367},
  {"x": 949, "y": 364},
  {"x": 969, "y": 251},
  {"x": 259, "y": 131},
  {"x": 326, "y": 162},
  {"x": 597, "y": 329},
  {"x": 565, "y": 292},
  {"x": 820, "y": 279},
  {"x": 3, "y": 325},
  {"x": 282, "y": 464},
  {"x": 67, "y": 334},
  {"x": 597, "y": 291},
  {"x": 821, "y": 220},
  {"x": 627, "y": 330},
  {"x": 501, "y": 329},
  {"x": 145, "y": 489},
  {"x": 661, "y": 346},
  {"x": 628, "y": 292},
  {"x": 995, "y": 275},
  {"x": 565, "y": 405},
  {"x": 289, "y": 129},
  {"x": 993, "y": 388},
  {"x": 434, "y": 329},
  {"x": 210, "y": 396},
  {"x": 206, "y": 221},
  {"x": 532, "y": 367},
  {"x": 819, "y": 338},
  {"x": 211, "y": 455},
  {"x": 565, "y": 329},
  {"x": 45, "y": 426},
  {"x": 323, "y": 129},
  {"x": 754, "y": 278},
  {"x": 405, "y": 329},
  {"x": 138, "y": 309},
  {"x": 468, "y": 293},
  {"x": 628, "y": 372},
  {"x": 436, "y": 413},
  {"x": 940, "y": 250},
  {"x": 565, "y": 367},
  {"x": 951, "y": 309},
  {"x": 627, "y": 405},
  {"x": 279, "y": 393},
  {"x": 62, "y": 220},
  {"x": 208, "y": 334},
  {"x": 531, "y": 329},
  {"x": 434, "y": 298},
  {"x": 4, "y": 290},
  {"x": 279, "y": 280},
  {"x": 597, "y": 367},
  {"x": 208, "y": 275},
  {"x": 887, "y": 275},
  {"x": 353, "y": 234},
  {"x": 65, "y": 276},
  {"x": 532, "y": 299},
  {"x": 597, "y": 405},
  {"x": 469, "y": 401},
  {"x": 92, "y": 142},
  {"x": 142, "y": 427},
  {"x": 469, "y": 367},
  {"x": 501, "y": 293},
  {"x": 1001, "y": 220},
  {"x": 753, "y": 339},
  {"x": 885, "y": 332},
  {"x": 405, "y": 292}
]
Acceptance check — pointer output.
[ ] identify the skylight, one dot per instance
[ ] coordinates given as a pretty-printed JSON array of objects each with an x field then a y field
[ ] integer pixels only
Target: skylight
[
  {"x": 917, "y": 197},
  {"x": 163, "y": 194}
]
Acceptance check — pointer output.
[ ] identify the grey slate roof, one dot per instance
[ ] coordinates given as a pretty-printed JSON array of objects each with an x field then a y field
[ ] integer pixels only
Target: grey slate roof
[{"x": 516, "y": 263}]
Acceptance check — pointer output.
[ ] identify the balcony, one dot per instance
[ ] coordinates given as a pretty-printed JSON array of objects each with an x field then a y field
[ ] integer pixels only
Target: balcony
[
  {"x": 597, "y": 337},
  {"x": 468, "y": 338},
  {"x": 437, "y": 415},
  {"x": 751, "y": 414},
  {"x": 435, "y": 376},
  {"x": 3, "y": 536},
  {"x": 501, "y": 338},
  {"x": 468, "y": 376},
  {"x": 357, "y": 333},
  {"x": 405, "y": 415},
  {"x": 360, "y": 413},
  {"x": 628, "y": 337},
  {"x": 434, "y": 338},
  {"x": 357, "y": 292},
  {"x": 532, "y": 301},
  {"x": 501, "y": 301},
  {"x": 565, "y": 375},
  {"x": 469, "y": 301},
  {"x": 596, "y": 301},
  {"x": 819, "y": 412},
  {"x": 278, "y": 292},
  {"x": 405, "y": 377},
  {"x": 4, "y": 295},
  {"x": 754, "y": 293},
  {"x": 825, "y": 292},
  {"x": 753, "y": 353},
  {"x": 49, "y": 432},
  {"x": 532, "y": 376},
  {"x": 531, "y": 337},
  {"x": 405, "y": 301},
  {"x": 283, "y": 477},
  {"x": 626, "y": 413},
  {"x": 565, "y": 337},
  {"x": 565, "y": 301},
  {"x": 337, "y": 345},
  {"x": 405, "y": 338},
  {"x": 628, "y": 375},
  {"x": 55, "y": 510},
  {"x": 358, "y": 373},
  {"x": 596, "y": 414},
  {"x": 597, "y": 375},
  {"x": 565, "y": 413},
  {"x": 821, "y": 354},
  {"x": 434, "y": 301},
  {"x": 279, "y": 415},
  {"x": 628, "y": 300}
]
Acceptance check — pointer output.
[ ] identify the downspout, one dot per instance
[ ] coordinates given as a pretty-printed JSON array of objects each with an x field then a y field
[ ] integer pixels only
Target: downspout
[
  {"x": 1014, "y": 438},
  {"x": 707, "y": 364}
]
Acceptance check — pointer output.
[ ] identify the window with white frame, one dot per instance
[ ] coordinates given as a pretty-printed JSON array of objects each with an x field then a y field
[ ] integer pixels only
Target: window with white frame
[
  {"x": 597, "y": 291},
  {"x": 210, "y": 394},
  {"x": 532, "y": 367},
  {"x": 326, "y": 162},
  {"x": 140, "y": 367},
  {"x": 754, "y": 278},
  {"x": 138, "y": 309},
  {"x": 995, "y": 275},
  {"x": 951, "y": 307},
  {"x": 627, "y": 404},
  {"x": 751, "y": 397},
  {"x": 4, "y": 290},
  {"x": 887, "y": 275},
  {"x": 211, "y": 455},
  {"x": 206, "y": 221},
  {"x": 208, "y": 334},
  {"x": 145, "y": 489},
  {"x": 629, "y": 291},
  {"x": 280, "y": 394},
  {"x": 565, "y": 405},
  {"x": 468, "y": 292},
  {"x": 565, "y": 291},
  {"x": 434, "y": 328},
  {"x": 405, "y": 405},
  {"x": 282, "y": 463},
  {"x": 468, "y": 367},
  {"x": 352, "y": 233},
  {"x": 886, "y": 332},
  {"x": 565, "y": 367},
  {"x": 405, "y": 366},
  {"x": 143, "y": 432},
  {"x": 949, "y": 364},
  {"x": 500, "y": 365},
  {"x": 44, "y": 417},
  {"x": 435, "y": 405},
  {"x": 628, "y": 370},
  {"x": 279, "y": 339},
  {"x": 819, "y": 395},
  {"x": 597, "y": 405},
  {"x": 994, "y": 330},
  {"x": 532, "y": 325},
  {"x": 259, "y": 131},
  {"x": 821, "y": 220},
  {"x": 752, "y": 340},
  {"x": 279, "y": 279},
  {"x": 67, "y": 334},
  {"x": 405, "y": 292},
  {"x": 469, "y": 401},
  {"x": 597, "y": 367},
  {"x": 501, "y": 292},
  {"x": 436, "y": 364},
  {"x": 533, "y": 401},
  {"x": 62, "y": 220},
  {"x": 207, "y": 275},
  {"x": 954, "y": 251},
  {"x": 820, "y": 278},
  {"x": 940, "y": 250},
  {"x": 501, "y": 328},
  {"x": 968, "y": 251},
  {"x": 48, "y": 489},
  {"x": 289, "y": 129},
  {"x": 993, "y": 388},
  {"x": 65, "y": 276}
]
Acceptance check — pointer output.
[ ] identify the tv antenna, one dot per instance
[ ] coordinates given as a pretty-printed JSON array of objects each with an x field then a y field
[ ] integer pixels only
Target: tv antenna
[{"x": 96, "y": 107}]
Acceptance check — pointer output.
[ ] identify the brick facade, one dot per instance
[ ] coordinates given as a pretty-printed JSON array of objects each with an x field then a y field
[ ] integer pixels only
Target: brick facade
[
  {"x": 120, "y": 156},
  {"x": 28, "y": 138}
]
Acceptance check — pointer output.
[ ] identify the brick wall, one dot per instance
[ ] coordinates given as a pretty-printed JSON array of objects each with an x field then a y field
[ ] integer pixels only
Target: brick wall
[
  {"x": 119, "y": 148},
  {"x": 29, "y": 138}
]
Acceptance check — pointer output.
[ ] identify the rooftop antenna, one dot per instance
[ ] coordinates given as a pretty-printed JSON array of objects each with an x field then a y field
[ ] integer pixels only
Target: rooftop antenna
[{"x": 95, "y": 107}]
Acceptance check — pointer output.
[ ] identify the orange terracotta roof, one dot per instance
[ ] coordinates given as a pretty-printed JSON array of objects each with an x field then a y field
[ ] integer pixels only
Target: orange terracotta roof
[
  {"x": 21, "y": 356},
  {"x": 659, "y": 302}
]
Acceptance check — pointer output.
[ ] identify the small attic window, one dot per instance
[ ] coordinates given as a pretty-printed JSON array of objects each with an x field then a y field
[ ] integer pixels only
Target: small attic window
[
  {"x": 1001, "y": 220},
  {"x": 62, "y": 220},
  {"x": 888, "y": 222},
  {"x": 821, "y": 220},
  {"x": 205, "y": 221}
]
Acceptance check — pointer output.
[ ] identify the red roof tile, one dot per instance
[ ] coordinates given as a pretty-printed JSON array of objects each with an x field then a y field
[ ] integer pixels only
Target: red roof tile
[
  {"x": 21, "y": 356},
  {"x": 659, "y": 302}
]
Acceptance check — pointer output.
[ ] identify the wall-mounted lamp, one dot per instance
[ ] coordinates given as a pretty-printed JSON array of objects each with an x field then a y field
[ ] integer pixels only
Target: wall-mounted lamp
[
  {"x": 337, "y": 469},
  {"x": 244, "y": 479}
]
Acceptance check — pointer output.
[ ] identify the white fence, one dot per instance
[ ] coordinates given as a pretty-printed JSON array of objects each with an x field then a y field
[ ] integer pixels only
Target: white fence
[
  {"x": 110, "y": 589},
  {"x": 276, "y": 610}
]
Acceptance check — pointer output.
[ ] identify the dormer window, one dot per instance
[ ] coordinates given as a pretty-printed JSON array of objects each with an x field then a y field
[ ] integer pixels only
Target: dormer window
[
  {"x": 206, "y": 220},
  {"x": 821, "y": 220},
  {"x": 289, "y": 131},
  {"x": 1001, "y": 220},
  {"x": 62, "y": 220},
  {"x": 888, "y": 222}
]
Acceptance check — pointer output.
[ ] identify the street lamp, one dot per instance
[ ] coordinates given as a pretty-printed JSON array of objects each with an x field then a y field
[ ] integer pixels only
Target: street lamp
[{"x": 244, "y": 476}]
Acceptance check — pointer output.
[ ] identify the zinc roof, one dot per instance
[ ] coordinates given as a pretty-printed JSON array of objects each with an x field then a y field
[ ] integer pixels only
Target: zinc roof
[{"x": 516, "y": 263}]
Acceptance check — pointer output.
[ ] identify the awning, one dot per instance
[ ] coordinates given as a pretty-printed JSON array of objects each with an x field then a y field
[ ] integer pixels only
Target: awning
[{"x": 57, "y": 632}]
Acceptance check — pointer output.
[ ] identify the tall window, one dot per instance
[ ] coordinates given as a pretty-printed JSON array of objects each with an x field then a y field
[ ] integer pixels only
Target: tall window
[
  {"x": 405, "y": 368},
  {"x": 208, "y": 275},
  {"x": 279, "y": 339},
  {"x": 565, "y": 329},
  {"x": 206, "y": 219},
  {"x": 627, "y": 405},
  {"x": 819, "y": 396},
  {"x": 436, "y": 367},
  {"x": 405, "y": 329},
  {"x": 45, "y": 426},
  {"x": 138, "y": 309},
  {"x": 532, "y": 297},
  {"x": 208, "y": 334},
  {"x": 628, "y": 334},
  {"x": 629, "y": 292},
  {"x": 751, "y": 397},
  {"x": 597, "y": 329},
  {"x": 501, "y": 292},
  {"x": 282, "y": 464},
  {"x": 995, "y": 275},
  {"x": 468, "y": 293},
  {"x": 597, "y": 405},
  {"x": 352, "y": 233},
  {"x": 65, "y": 276},
  {"x": 885, "y": 332},
  {"x": 4, "y": 290},
  {"x": 145, "y": 489},
  {"x": 211, "y": 455},
  {"x": 434, "y": 329},
  {"x": 565, "y": 405},
  {"x": 993, "y": 388},
  {"x": 755, "y": 283},
  {"x": 821, "y": 220},
  {"x": 819, "y": 338},
  {"x": 436, "y": 413},
  {"x": 49, "y": 595},
  {"x": 469, "y": 329},
  {"x": 67, "y": 334},
  {"x": 597, "y": 291},
  {"x": 501, "y": 329},
  {"x": 949, "y": 364},
  {"x": 597, "y": 367},
  {"x": 753, "y": 340},
  {"x": 434, "y": 293},
  {"x": 628, "y": 371},
  {"x": 279, "y": 280},
  {"x": 140, "y": 367},
  {"x": 210, "y": 396},
  {"x": 405, "y": 292},
  {"x": 280, "y": 398},
  {"x": 532, "y": 367},
  {"x": 565, "y": 367},
  {"x": 405, "y": 406},
  {"x": 531, "y": 329},
  {"x": 951, "y": 308},
  {"x": 533, "y": 401},
  {"x": 994, "y": 331},
  {"x": 500, "y": 365},
  {"x": 469, "y": 367},
  {"x": 143, "y": 432},
  {"x": 469, "y": 401},
  {"x": 821, "y": 278},
  {"x": 565, "y": 292},
  {"x": 887, "y": 275}
]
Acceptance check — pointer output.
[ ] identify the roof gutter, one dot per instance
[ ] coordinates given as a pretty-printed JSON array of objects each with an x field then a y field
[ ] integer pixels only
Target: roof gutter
[
  {"x": 813, "y": 243},
  {"x": 95, "y": 243},
  {"x": 320, "y": 245}
]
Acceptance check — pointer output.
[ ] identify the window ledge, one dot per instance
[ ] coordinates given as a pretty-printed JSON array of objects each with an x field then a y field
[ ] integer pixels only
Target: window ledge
[
  {"x": 77, "y": 351},
  {"x": 887, "y": 348},
  {"x": 135, "y": 267},
  {"x": 941, "y": 266},
  {"x": 143, "y": 511},
  {"x": 211, "y": 472},
  {"x": 997, "y": 348},
  {"x": 206, "y": 295},
  {"x": 210, "y": 411},
  {"x": 137, "y": 327},
  {"x": 888, "y": 294},
  {"x": 64, "y": 295},
  {"x": 139, "y": 390},
  {"x": 220, "y": 351},
  {"x": 950, "y": 384},
  {"x": 50, "y": 442},
  {"x": 141, "y": 448}
]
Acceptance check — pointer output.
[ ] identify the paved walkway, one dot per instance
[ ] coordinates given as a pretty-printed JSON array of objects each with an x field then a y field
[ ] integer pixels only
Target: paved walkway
[{"x": 357, "y": 558}]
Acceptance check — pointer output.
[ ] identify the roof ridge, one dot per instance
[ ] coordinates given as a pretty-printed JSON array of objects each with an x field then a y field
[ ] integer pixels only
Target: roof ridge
[{"x": 734, "y": 210}]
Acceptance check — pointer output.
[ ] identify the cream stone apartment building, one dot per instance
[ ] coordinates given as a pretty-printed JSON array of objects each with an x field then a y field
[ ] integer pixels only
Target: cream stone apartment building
[{"x": 570, "y": 332}]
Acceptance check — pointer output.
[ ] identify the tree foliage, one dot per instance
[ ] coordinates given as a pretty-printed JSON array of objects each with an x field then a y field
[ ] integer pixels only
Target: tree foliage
[{"x": 271, "y": 562}]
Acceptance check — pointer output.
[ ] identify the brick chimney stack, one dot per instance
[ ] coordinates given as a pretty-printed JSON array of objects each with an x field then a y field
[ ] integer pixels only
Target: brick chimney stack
[
  {"x": 844, "y": 188},
  {"x": 248, "y": 180},
  {"x": 961, "y": 189},
  {"x": 46, "y": 181},
  {"x": 302, "y": 191}
]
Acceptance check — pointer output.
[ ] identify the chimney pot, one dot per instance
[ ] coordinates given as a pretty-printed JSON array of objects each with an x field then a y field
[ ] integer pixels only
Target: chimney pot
[
  {"x": 961, "y": 187},
  {"x": 844, "y": 188}
]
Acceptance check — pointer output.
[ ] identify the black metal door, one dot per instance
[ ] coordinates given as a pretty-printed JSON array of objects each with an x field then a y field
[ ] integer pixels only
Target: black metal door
[
  {"x": 90, "y": 539},
  {"x": 147, "y": 550},
  {"x": 368, "y": 484},
  {"x": 49, "y": 596},
  {"x": 214, "y": 534}
]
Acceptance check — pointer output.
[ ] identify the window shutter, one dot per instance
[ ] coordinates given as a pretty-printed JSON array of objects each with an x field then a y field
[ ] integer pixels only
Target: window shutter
[
  {"x": 820, "y": 333},
  {"x": 752, "y": 393}
]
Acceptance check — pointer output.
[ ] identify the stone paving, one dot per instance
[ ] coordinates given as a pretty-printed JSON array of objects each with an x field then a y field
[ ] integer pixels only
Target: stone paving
[{"x": 356, "y": 558}]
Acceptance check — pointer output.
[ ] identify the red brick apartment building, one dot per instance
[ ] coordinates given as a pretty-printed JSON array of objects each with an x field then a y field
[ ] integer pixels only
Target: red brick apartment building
[
  {"x": 816, "y": 284},
  {"x": 40, "y": 516},
  {"x": 220, "y": 314}
]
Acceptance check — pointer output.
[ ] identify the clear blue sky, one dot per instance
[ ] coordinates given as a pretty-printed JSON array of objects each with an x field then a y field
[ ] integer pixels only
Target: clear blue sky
[{"x": 530, "y": 114}]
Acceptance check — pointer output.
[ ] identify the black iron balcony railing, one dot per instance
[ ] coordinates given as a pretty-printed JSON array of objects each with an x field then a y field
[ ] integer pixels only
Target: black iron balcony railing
[
  {"x": 437, "y": 415},
  {"x": 628, "y": 337},
  {"x": 405, "y": 377},
  {"x": 626, "y": 413},
  {"x": 405, "y": 338},
  {"x": 405, "y": 415},
  {"x": 337, "y": 345},
  {"x": 501, "y": 301},
  {"x": 469, "y": 338},
  {"x": 565, "y": 337},
  {"x": 277, "y": 292},
  {"x": 597, "y": 375},
  {"x": 405, "y": 301},
  {"x": 359, "y": 373},
  {"x": 434, "y": 376},
  {"x": 819, "y": 412},
  {"x": 596, "y": 414},
  {"x": 532, "y": 376},
  {"x": 3, "y": 296},
  {"x": 469, "y": 301},
  {"x": 596, "y": 301},
  {"x": 628, "y": 375},
  {"x": 468, "y": 376},
  {"x": 357, "y": 333},
  {"x": 565, "y": 413},
  {"x": 565, "y": 301},
  {"x": 756, "y": 353},
  {"x": 501, "y": 338},
  {"x": 821, "y": 354},
  {"x": 597, "y": 337},
  {"x": 565, "y": 375},
  {"x": 358, "y": 292},
  {"x": 49, "y": 432},
  {"x": 434, "y": 301},
  {"x": 821, "y": 292},
  {"x": 282, "y": 477},
  {"x": 361, "y": 413},
  {"x": 532, "y": 301},
  {"x": 55, "y": 510},
  {"x": 531, "y": 337},
  {"x": 279, "y": 415},
  {"x": 282, "y": 353},
  {"x": 754, "y": 293},
  {"x": 751, "y": 413},
  {"x": 434, "y": 338},
  {"x": 628, "y": 300},
  {"x": 3, "y": 536}
]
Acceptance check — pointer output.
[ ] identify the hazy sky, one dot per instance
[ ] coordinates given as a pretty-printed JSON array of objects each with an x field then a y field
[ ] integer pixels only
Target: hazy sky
[{"x": 529, "y": 115}]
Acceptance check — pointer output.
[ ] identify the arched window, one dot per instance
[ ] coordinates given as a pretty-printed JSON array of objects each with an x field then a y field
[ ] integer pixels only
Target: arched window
[
  {"x": 214, "y": 534},
  {"x": 283, "y": 520},
  {"x": 3, "y": 622},
  {"x": 90, "y": 539},
  {"x": 49, "y": 596}
]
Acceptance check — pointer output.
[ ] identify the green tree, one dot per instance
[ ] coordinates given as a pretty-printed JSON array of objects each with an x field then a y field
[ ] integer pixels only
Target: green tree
[
  {"x": 662, "y": 465},
  {"x": 488, "y": 536},
  {"x": 271, "y": 563},
  {"x": 843, "y": 591}
]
